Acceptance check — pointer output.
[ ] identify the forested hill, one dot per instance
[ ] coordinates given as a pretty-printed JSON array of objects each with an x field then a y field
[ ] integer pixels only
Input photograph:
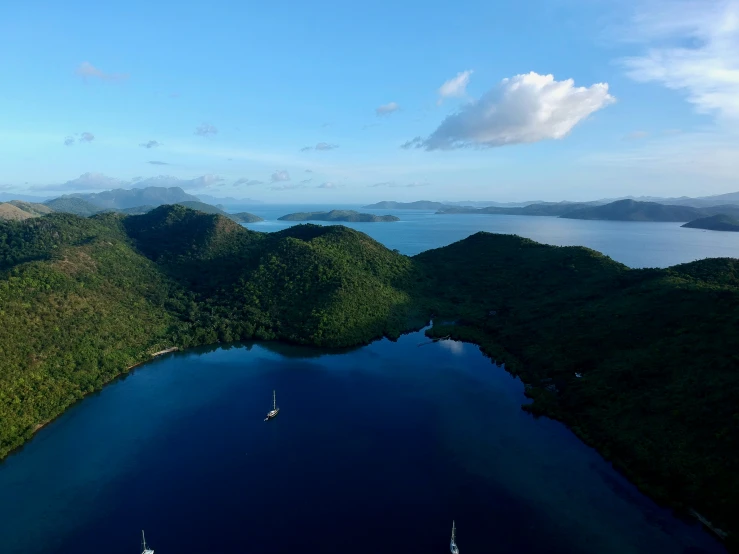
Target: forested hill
[
  {"x": 640, "y": 363},
  {"x": 338, "y": 215},
  {"x": 719, "y": 222}
]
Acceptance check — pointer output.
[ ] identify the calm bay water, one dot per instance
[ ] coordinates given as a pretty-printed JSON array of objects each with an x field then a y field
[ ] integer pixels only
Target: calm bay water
[
  {"x": 636, "y": 244},
  {"x": 375, "y": 449}
]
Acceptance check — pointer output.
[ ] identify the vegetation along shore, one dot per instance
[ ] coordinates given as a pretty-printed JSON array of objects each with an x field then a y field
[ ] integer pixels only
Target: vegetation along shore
[{"x": 639, "y": 363}]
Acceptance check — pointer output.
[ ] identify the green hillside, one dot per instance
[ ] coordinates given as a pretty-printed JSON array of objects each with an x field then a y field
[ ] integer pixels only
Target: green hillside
[
  {"x": 655, "y": 350},
  {"x": 10, "y": 212},
  {"x": 639, "y": 363},
  {"x": 71, "y": 205},
  {"x": 32, "y": 208},
  {"x": 241, "y": 217}
]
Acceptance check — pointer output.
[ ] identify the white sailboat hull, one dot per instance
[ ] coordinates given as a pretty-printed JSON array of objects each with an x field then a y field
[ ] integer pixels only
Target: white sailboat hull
[{"x": 272, "y": 414}]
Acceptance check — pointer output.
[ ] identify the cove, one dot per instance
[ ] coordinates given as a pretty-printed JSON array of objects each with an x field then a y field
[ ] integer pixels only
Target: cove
[{"x": 375, "y": 449}]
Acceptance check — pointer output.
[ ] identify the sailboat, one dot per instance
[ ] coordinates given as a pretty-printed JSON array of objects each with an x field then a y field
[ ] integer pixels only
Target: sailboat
[
  {"x": 453, "y": 545},
  {"x": 275, "y": 410},
  {"x": 143, "y": 540}
]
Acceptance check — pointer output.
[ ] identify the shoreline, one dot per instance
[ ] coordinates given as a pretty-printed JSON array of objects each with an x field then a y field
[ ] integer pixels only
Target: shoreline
[
  {"x": 428, "y": 330},
  {"x": 43, "y": 424}
]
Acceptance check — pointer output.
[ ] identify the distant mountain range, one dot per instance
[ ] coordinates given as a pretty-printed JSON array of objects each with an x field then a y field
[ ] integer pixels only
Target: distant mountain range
[
  {"x": 632, "y": 210},
  {"x": 130, "y": 198},
  {"x": 620, "y": 210},
  {"x": 17, "y": 210}
]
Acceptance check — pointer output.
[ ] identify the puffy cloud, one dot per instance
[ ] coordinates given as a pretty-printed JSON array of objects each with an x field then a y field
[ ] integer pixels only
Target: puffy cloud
[
  {"x": 329, "y": 185},
  {"x": 205, "y": 129},
  {"x": 69, "y": 141},
  {"x": 306, "y": 181},
  {"x": 86, "y": 137},
  {"x": 456, "y": 86},
  {"x": 88, "y": 71},
  {"x": 246, "y": 182},
  {"x": 692, "y": 46},
  {"x": 306, "y": 148},
  {"x": 387, "y": 109},
  {"x": 309, "y": 171},
  {"x": 280, "y": 175},
  {"x": 150, "y": 144},
  {"x": 523, "y": 109},
  {"x": 155, "y": 162}
]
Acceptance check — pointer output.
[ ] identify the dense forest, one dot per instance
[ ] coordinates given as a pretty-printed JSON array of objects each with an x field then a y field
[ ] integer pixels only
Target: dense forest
[{"x": 641, "y": 364}]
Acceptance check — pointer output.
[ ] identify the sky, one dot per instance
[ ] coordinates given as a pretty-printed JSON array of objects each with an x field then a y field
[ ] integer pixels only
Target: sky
[{"x": 342, "y": 102}]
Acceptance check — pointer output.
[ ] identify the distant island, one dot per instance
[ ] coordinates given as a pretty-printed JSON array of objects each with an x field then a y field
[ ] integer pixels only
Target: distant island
[
  {"x": 632, "y": 210},
  {"x": 541, "y": 208},
  {"x": 338, "y": 215},
  {"x": 718, "y": 222},
  {"x": 620, "y": 210},
  {"x": 418, "y": 205}
]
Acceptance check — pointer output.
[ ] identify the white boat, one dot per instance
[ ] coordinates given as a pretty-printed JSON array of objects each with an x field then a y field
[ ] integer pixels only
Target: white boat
[
  {"x": 453, "y": 545},
  {"x": 143, "y": 540},
  {"x": 275, "y": 410}
]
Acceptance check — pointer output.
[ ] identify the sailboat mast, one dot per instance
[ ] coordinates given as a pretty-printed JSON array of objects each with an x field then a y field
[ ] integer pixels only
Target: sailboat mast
[
  {"x": 143, "y": 539},
  {"x": 274, "y": 400}
]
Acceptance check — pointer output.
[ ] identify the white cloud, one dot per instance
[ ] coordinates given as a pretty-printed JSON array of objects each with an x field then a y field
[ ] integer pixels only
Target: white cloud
[
  {"x": 523, "y": 109},
  {"x": 150, "y": 144},
  {"x": 86, "y": 137},
  {"x": 693, "y": 46},
  {"x": 456, "y": 86},
  {"x": 69, "y": 141},
  {"x": 387, "y": 109},
  {"x": 205, "y": 130},
  {"x": 157, "y": 162},
  {"x": 88, "y": 71},
  {"x": 280, "y": 175},
  {"x": 329, "y": 185}
]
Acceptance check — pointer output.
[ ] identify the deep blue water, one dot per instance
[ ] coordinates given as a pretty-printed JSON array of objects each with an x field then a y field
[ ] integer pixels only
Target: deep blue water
[
  {"x": 375, "y": 450},
  {"x": 636, "y": 244}
]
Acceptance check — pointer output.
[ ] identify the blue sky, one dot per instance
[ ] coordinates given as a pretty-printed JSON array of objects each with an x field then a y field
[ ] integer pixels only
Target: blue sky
[{"x": 343, "y": 102}]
